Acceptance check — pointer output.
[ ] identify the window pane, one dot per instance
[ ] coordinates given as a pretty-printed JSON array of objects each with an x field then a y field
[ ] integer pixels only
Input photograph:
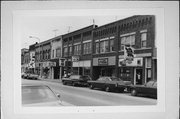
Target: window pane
[
  {"x": 102, "y": 49},
  {"x": 143, "y": 36},
  {"x": 112, "y": 45},
  {"x": 148, "y": 64},
  {"x": 97, "y": 47},
  {"x": 106, "y": 46}
]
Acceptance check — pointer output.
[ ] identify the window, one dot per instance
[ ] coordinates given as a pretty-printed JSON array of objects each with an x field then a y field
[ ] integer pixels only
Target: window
[
  {"x": 65, "y": 51},
  {"x": 58, "y": 52},
  {"x": 53, "y": 54},
  {"x": 112, "y": 45},
  {"x": 127, "y": 40},
  {"x": 77, "y": 49},
  {"x": 97, "y": 47},
  {"x": 87, "y": 48},
  {"x": 143, "y": 39},
  {"x": 148, "y": 63},
  {"x": 70, "y": 50},
  {"x": 104, "y": 46}
]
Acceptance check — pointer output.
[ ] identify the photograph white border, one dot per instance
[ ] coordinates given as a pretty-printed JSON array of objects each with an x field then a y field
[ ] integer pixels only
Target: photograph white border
[{"x": 108, "y": 110}]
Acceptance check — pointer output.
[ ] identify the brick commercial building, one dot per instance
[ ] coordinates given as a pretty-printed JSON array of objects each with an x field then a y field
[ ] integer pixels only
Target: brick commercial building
[
  {"x": 110, "y": 44},
  {"x": 77, "y": 51}
]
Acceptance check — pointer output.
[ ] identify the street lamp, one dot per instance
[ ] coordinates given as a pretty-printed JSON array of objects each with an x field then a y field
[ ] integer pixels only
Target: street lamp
[
  {"x": 38, "y": 45},
  {"x": 35, "y": 38}
]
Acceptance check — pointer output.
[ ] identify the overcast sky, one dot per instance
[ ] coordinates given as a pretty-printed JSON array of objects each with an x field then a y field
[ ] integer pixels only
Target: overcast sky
[{"x": 43, "y": 27}]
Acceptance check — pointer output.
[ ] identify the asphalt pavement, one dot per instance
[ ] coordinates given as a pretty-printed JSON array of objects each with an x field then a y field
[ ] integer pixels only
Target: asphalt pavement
[{"x": 83, "y": 96}]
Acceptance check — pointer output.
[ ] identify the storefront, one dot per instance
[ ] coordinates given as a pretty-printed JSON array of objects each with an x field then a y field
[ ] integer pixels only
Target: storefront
[
  {"x": 80, "y": 67},
  {"x": 104, "y": 66},
  {"x": 138, "y": 71}
]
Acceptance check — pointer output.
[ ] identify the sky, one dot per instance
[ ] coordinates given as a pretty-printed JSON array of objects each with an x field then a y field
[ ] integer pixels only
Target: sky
[{"x": 43, "y": 27}]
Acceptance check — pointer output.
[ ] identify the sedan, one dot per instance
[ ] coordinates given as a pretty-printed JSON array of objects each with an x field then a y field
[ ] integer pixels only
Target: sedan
[
  {"x": 39, "y": 95},
  {"x": 33, "y": 76},
  {"x": 76, "y": 80},
  {"x": 148, "y": 89},
  {"x": 109, "y": 84}
]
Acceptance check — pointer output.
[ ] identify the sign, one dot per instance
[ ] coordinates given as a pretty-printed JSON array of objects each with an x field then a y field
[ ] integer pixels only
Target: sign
[
  {"x": 61, "y": 62},
  {"x": 135, "y": 62},
  {"x": 52, "y": 64},
  {"x": 75, "y": 58},
  {"x": 128, "y": 53},
  {"x": 103, "y": 61}
]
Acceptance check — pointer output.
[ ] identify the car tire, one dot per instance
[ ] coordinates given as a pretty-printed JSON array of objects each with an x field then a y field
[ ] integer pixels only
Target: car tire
[
  {"x": 107, "y": 89},
  {"x": 91, "y": 86},
  {"x": 133, "y": 92},
  {"x": 121, "y": 90},
  {"x": 73, "y": 84},
  {"x": 64, "y": 83}
]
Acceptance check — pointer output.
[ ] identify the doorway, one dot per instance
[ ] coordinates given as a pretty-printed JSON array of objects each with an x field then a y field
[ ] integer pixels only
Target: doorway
[{"x": 138, "y": 76}]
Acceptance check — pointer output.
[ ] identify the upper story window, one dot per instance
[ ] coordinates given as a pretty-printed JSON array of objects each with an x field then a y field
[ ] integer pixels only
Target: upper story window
[
  {"x": 112, "y": 45},
  {"x": 87, "y": 48},
  {"x": 53, "y": 54},
  {"x": 58, "y": 52},
  {"x": 97, "y": 48},
  {"x": 144, "y": 38},
  {"x": 128, "y": 39},
  {"x": 70, "y": 50},
  {"x": 77, "y": 49},
  {"x": 104, "y": 46},
  {"x": 65, "y": 52}
]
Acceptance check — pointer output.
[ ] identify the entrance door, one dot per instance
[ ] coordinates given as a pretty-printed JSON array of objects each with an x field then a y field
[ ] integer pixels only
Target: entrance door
[{"x": 139, "y": 76}]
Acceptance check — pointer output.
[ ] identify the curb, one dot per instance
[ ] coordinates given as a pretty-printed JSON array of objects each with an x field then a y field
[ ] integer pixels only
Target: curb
[{"x": 51, "y": 80}]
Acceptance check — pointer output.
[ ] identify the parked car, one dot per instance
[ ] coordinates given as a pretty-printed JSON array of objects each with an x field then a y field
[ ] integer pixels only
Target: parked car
[
  {"x": 109, "y": 84},
  {"x": 148, "y": 89},
  {"x": 24, "y": 75},
  {"x": 33, "y": 76},
  {"x": 76, "y": 80},
  {"x": 39, "y": 95}
]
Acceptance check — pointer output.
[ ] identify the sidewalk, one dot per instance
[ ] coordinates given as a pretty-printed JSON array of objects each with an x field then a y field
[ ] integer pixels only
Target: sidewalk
[{"x": 51, "y": 80}]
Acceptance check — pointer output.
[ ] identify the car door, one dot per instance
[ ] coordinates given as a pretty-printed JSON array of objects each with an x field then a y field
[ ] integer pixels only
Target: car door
[
  {"x": 108, "y": 82},
  {"x": 100, "y": 83},
  {"x": 154, "y": 89},
  {"x": 147, "y": 89}
]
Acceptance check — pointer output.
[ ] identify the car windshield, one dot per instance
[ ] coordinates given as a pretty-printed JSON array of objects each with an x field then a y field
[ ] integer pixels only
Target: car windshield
[
  {"x": 85, "y": 77},
  {"x": 150, "y": 83},
  {"x": 115, "y": 79},
  {"x": 37, "y": 94},
  {"x": 75, "y": 76}
]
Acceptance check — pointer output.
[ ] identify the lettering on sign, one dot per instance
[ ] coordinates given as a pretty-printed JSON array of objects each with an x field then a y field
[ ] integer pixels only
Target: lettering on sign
[
  {"x": 75, "y": 58},
  {"x": 103, "y": 61}
]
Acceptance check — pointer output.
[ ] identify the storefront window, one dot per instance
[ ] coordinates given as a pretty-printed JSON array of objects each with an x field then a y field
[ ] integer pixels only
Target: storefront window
[
  {"x": 125, "y": 74},
  {"x": 86, "y": 70}
]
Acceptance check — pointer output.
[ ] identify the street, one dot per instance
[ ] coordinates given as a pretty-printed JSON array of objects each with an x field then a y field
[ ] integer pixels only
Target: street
[{"x": 83, "y": 96}]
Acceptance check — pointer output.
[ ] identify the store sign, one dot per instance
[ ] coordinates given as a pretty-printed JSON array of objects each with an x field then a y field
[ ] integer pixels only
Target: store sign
[
  {"x": 103, "y": 61},
  {"x": 75, "y": 58},
  {"x": 135, "y": 62},
  {"x": 107, "y": 38},
  {"x": 128, "y": 53},
  {"x": 52, "y": 64}
]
